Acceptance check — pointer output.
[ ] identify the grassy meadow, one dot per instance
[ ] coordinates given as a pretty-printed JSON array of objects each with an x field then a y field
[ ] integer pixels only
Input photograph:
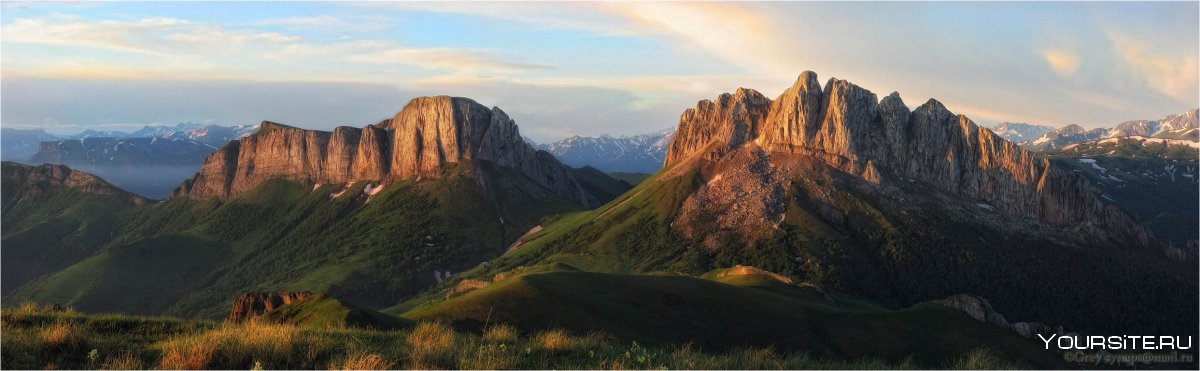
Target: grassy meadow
[{"x": 36, "y": 337}]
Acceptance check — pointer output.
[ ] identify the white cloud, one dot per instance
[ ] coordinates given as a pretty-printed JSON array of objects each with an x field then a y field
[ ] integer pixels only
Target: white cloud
[
  {"x": 1062, "y": 62},
  {"x": 1167, "y": 69},
  {"x": 176, "y": 48}
]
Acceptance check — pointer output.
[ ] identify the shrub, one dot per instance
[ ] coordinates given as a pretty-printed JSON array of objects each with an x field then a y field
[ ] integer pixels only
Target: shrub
[
  {"x": 501, "y": 333},
  {"x": 122, "y": 361},
  {"x": 490, "y": 357},
  {"x": 187, "y": 353},
  {"x": 63, "y": 335},
  {"x": 561, "y": 341},
  {"x": 364, "y": 361},
  {"x": 430, "y": 345},
  {"x": 235, "y": 345}
]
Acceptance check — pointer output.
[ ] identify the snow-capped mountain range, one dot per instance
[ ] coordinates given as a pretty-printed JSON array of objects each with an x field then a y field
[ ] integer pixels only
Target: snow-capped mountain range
[
  {"x": 1018, "y": 132},
  {"x": 21, "y": 144},
  {"x": 642, "y": 153},
  {"x": 1177, "y": 127}
]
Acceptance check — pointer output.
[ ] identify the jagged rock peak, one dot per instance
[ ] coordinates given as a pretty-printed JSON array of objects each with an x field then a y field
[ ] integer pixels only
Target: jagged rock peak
[
  {"x": 418, "y": 141},
  {"x": 847, "y": 127}
]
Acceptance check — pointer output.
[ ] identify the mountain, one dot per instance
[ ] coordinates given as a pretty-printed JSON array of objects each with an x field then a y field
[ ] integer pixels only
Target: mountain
[
  {"x": 92, "y": 133},
  {"x": 429, "y": 134},
  {"x": 1154, "y": 179},
  {"x": 636, "y": 154},
  {"x": 212, "y": 135},
  {"x": 54, "y": 217},
  {"x": 1017, "y": 132},
  {"x": 150, "y": 161},
  {"x": 1181, "y": 126},
  {"x": 1064, "y": 136},
  {"x": 836, "y": 188},
  {"x": 149, "y": 166},
  {"x": 370, "y": 216},
  {"x": 20, "y": 144}
]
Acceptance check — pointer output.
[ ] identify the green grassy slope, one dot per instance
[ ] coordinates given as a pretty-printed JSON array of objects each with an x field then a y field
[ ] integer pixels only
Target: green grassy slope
[
  {"x": 191, "y": 258},
  {"x": 661, "y": 310},
  {"x": 50, "y": 226},
  {"x": 602, "y": 185},
  {"x": 631, "y": 178},
  {"x": 323, "y": 311},
  {"x": 897, "y": 251}
]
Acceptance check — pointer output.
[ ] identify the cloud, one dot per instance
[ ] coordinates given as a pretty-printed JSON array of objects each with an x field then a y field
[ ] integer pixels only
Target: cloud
[
  {"x": 328, "y": 23},
  {"x": 175, "y": 48},
  {"x": 158, "y": 36},
  {"x": 1063, "y": 63},
  {"x": 1169, "y": 70},
  {"x": 594, "y": 18}
]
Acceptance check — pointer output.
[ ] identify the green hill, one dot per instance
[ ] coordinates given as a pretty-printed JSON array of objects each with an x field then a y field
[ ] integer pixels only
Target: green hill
[
  {"x": 55, "y": 217},
  {"x": 323, "y": 311},
  {"x": 190, "y": 258},
  {"x": 662, "y": 310},
  {"x": 898, "y": 245}
]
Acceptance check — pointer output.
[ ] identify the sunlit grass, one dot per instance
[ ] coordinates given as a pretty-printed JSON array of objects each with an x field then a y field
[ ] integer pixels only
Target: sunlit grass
[{"x": 38, "y": 338}]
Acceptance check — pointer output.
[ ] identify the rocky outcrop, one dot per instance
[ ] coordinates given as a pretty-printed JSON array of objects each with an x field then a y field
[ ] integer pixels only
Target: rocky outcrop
[
  {"x": 848, "y": 128},
  {"x": 981, "y": 310},
  {"x": 254, "y": 304},
  {"x": 424, "y": 137},
  {"x": 25, "y": 182}
]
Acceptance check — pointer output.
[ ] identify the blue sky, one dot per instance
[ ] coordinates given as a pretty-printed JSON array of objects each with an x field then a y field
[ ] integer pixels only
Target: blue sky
[{"x": 563, "y": 69}]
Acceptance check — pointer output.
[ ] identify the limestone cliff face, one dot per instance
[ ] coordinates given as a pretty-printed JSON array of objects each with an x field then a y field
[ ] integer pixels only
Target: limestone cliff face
[
  {"x": 849, "y": 128},
  {"x": 425, "y": 136}
]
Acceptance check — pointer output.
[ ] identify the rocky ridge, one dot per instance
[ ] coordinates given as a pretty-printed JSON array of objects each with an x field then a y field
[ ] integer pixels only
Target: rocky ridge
[
  {"x": 253, "y": 304},
  {"x": 32, "y": 181},
  {"x": 850, "y": 129},
  {"x": 425, "y": 136}
]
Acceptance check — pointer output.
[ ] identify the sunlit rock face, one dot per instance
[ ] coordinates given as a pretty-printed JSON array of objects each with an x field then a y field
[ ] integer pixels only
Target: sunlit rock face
[
  {"x": 850, "y": 129},
  {"x": 425, "y": 136}
]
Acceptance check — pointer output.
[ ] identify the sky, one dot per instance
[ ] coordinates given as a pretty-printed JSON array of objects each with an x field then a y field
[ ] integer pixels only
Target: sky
[{"x": 563, "y": 69}]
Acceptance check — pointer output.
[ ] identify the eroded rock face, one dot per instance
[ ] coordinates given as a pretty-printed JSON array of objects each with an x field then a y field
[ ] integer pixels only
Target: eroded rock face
[
  {"x": 254, "y": 304},
  {"x": 425, "y": 136},
  {"x": 848, "y": 128}
]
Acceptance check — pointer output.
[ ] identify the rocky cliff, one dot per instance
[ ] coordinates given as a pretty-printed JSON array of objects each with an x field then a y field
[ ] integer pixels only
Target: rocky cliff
[
  {"x": 849, "y": 128},
  {"x": 254, "y": 304},
  {"x": 425, "y": 136}
]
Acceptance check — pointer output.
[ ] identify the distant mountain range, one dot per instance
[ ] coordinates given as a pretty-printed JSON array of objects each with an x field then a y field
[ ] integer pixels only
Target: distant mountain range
[
  {"x": 21, "y": 144},
  {"x": 1018, "y": 132},
  {"x": 642, "y": 153},
  {"x": 150, "y": 161},
  {"x": 1181, "y": 126}
]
